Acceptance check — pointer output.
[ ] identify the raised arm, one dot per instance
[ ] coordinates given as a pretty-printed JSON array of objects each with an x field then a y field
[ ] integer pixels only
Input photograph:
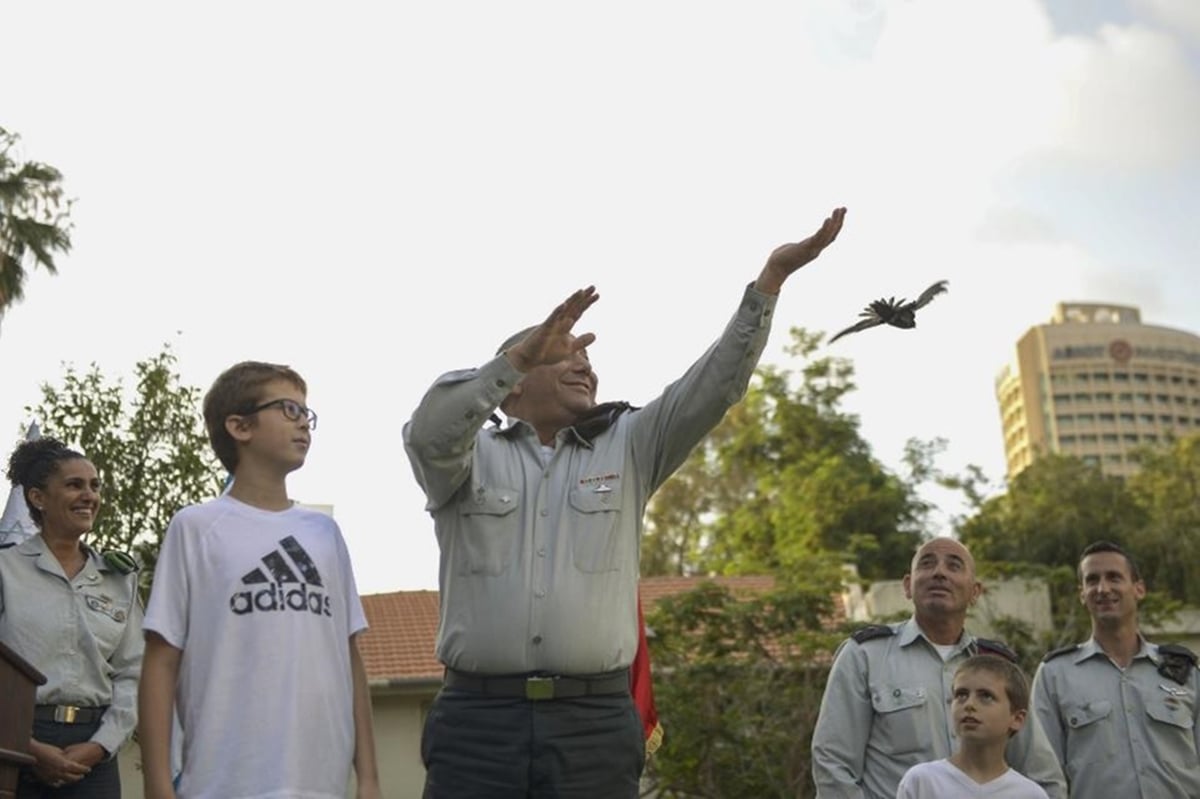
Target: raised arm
[{"x": 787, "y": 259}]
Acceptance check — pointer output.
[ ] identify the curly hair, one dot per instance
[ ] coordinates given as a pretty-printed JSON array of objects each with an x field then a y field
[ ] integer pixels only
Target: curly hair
[{"x": 33, "y": 463}]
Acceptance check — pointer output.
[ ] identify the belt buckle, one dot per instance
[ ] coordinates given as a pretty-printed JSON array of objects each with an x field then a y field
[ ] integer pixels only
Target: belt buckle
[
  {"x": 65, "y": 714},
  {"x": 539, "y": 688}
]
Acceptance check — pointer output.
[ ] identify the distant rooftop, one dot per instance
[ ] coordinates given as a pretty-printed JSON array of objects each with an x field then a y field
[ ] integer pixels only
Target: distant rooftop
[{"x": 1095, "y": 313}]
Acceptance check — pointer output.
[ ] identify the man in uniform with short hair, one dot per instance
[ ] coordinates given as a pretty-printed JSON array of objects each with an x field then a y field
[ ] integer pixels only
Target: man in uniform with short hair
[
  {"x": 887, "y": 703},
  {"x": 1121, "y": 712}
]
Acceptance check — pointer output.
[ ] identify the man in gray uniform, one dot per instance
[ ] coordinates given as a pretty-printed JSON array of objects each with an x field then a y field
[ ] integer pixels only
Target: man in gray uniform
[
  {"x": 539, "y": 522},
  {"x": 1121, "y": 712},
  {"x": 886, "y": 704}
]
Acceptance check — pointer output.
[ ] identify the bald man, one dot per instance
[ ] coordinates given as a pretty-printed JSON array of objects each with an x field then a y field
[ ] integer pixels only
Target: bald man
[{"x": 886, "y": 705}]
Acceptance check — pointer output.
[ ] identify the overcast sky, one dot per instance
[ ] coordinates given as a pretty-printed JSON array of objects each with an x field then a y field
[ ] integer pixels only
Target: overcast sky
[{"x": 375, "y": 193}]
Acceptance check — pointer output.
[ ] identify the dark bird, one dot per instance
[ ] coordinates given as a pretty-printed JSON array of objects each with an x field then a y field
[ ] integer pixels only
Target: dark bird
[{"x": 896, "y": 314}]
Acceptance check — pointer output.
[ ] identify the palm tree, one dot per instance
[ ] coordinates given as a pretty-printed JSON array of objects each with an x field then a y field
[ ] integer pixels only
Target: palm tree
[{"x": 34, "y": 218}]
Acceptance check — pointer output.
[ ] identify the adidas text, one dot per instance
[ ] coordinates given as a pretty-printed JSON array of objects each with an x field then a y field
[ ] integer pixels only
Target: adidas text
[{"x": 276, "y": 597}]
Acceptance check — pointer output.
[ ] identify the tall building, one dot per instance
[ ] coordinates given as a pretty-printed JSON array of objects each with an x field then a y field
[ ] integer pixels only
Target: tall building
[{"x": 1096, "y": 383}]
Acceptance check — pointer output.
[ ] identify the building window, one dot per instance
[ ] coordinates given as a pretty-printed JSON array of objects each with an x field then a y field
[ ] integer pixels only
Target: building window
[
  {"x": 1183, "y": 420},
  {"x": 1112, "y": 458},
  {"x": 1120, "y": 377},
  {"x": 1129, "y": 438},
  {"x": 1141, "y": 377},
  {"x": 1165, "y": 399},
  {"x": 1164, "y": 418},
  {"x": 1103, "y": 396},
  {"x": 1083, "y": 397},
  {"x": 1066, "y": 441},
  {"x": 1081, "y": 377},
  {"x": 1111, "y": 438},
  {"x": 1065, "y": 419},
  {"x": 1180, "y": 400},
  {"x": 1086, "y": 418},
  {"x": 1146, "y": 418},
  {"x": 1100, "y": 377},
  {"x": 1107, "y": 417},
  {"x": 1091, "y": 460},
  {"x": 1088, "y": 438},
  {"x": 1062, "y": 398},
  {"x": 1151, "y": 438},
  {"x": 1142, "y": 397},
  {"x": 1160, "y": 378},
  {"x": 1127, "y": 417}
]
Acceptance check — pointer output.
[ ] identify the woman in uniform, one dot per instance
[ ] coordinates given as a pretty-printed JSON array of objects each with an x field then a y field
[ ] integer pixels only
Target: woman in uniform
[{"x": 75, "y": 616}]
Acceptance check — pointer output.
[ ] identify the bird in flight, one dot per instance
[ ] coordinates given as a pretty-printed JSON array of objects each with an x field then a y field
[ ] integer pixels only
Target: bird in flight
[{"x": 896, "y": 314}]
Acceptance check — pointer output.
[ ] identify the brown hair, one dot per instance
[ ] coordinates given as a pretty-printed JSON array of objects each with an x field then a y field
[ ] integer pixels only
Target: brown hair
[
  {"x": 1016, "y": 687},
  {"x": 236, "y": 391}
]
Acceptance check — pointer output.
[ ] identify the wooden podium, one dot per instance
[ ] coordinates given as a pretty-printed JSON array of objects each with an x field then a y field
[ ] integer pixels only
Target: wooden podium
[{"x": 18, "y": 681}]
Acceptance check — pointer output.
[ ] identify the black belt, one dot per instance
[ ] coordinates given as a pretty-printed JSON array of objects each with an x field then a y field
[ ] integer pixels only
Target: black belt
[
  {"x": 539, "y": 686},
  {"x": 68, "y": 714}
]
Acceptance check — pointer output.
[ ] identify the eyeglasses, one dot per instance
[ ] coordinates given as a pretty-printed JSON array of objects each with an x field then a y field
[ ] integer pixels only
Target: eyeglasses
[{"x": 292, "y": 411}]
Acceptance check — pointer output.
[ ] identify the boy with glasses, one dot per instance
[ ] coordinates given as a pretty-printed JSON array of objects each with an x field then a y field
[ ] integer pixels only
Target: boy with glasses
[{"x": 251, "y": 625}]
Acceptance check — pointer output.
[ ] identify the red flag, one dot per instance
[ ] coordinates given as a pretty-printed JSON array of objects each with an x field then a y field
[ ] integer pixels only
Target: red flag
[{"x": 642, "y": 688}]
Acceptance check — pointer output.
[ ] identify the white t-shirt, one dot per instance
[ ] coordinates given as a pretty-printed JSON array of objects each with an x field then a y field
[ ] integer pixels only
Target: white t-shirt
[
  {"x": 941, "y": 779},
  {"x": 262, "y": 604}
]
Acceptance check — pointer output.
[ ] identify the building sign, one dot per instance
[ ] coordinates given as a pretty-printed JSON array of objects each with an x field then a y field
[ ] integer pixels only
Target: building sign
[{"x": 1121, "y": 352}]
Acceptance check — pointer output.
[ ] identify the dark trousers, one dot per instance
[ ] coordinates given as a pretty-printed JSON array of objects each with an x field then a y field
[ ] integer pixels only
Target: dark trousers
[
  {"x": 505, "y": 748},
  {"x": 102, "y": 782}
]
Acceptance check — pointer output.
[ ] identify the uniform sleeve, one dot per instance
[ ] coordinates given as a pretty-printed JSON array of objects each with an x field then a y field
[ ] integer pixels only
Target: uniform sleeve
[
  {"x": 839, "y": 744},
  {"x": 440, "y": 437},
  {"x": 120, "y": 719},
  {"x": 1037, "y": 750},
  {"x": 671, "y": 425},
  {"x": 166, "y": 613}
]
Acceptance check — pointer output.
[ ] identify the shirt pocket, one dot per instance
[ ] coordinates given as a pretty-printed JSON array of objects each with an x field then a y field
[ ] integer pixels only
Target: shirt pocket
[
  {"x": 595, "y": 527},
  {"x": 106, "y": 617},
  {"x": 1091, "y": 733},
  {"x": 901, "y": 717},
  {"x": 488, "y": 531},
  {"x": 1171, "y": 724}
]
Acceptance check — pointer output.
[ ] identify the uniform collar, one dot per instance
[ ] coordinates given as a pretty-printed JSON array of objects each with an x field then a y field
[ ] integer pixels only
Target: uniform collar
[
  {"x": 1145, "y": 650},
  {"x": 583, "y": 432},
  {"x": 910, "y": 631},
  {"x": 35, "y": 547}
]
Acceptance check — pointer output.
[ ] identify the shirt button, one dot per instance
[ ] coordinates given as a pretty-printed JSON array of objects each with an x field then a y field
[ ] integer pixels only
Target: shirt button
[
  {"x": 896, "y": 692},
  {"x": 537, "y": 639},
  {"x": 539, "y": 594},
  {"x": 541, "y": 552},
  {"x": 501, "y": 384},
  {"x": 543, "y": 512},
  {"x": 469, "y": 415}
]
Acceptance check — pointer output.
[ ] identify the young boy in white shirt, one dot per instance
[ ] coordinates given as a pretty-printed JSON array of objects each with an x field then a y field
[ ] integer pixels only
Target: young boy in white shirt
[
  {"x": 990, "y": 704},
  {"x": 252, "y": 619}
]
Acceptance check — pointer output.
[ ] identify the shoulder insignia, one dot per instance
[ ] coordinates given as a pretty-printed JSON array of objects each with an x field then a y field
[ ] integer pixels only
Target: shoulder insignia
[
  {"x": 1176, "y": 662},
  {"x": 986, "y": 646},
  {"x": 119, "y": 561},
  {"x": 872, "y": 631},
  {"x": 1062, "y": 650}
]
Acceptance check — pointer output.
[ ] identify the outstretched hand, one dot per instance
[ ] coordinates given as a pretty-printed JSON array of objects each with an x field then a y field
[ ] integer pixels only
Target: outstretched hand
[
  {"x": 552, "y": 341},
  {"x": 788, "y": 258}
]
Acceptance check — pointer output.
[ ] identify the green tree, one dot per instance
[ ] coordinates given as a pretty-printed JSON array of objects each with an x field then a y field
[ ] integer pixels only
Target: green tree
[
  {"x": 1167, "y": 489},
  {"x": 738, "y": 685},
  {"x": 150, "y": 450},
  {"x": 34, "y": 218},
  {"x": 785, "y": 475}
]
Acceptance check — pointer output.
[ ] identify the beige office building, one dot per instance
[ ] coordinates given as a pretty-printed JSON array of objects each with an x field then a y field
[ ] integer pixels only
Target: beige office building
[{"x": 1096, "y": 383}]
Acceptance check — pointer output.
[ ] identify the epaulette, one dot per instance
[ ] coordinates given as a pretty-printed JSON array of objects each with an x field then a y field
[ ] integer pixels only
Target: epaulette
[
  {"x": 8, "y": 544},
  {"x": 119, "y": 561},
  {"x": 986, "y": 646},
  {"x": 1176, "y": 662},
  {"x": 872, "y": 631},
  {"x": 1062, "y": 650}
]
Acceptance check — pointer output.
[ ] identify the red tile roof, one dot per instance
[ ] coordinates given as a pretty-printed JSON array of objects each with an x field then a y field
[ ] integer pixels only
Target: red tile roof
[{"x": 399, "y": 646}]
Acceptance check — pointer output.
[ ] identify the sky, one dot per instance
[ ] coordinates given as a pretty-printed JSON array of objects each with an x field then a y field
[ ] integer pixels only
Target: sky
[{"x": 376, "y": 193}]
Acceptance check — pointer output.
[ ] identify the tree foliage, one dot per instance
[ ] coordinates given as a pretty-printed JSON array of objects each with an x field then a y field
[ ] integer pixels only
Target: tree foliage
[
  {"x": 739, "y": 684},
  {"x": 150, "y": 450},
  {"x": 784, "y": 476},
  {"x": 34, "y": 218}
]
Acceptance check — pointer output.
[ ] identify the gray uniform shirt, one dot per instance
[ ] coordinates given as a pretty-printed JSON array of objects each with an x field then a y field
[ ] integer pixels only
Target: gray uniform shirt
[
  {"x": 539, "y": 559},
  {"x": 1124, "y": 733},
  {"x": 887, "y": 707},
  {"x": 84, "y": 635}
]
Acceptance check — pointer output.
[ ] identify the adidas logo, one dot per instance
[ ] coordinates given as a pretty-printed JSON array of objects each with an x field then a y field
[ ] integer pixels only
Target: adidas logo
[{"x": 284, "y": 589}]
